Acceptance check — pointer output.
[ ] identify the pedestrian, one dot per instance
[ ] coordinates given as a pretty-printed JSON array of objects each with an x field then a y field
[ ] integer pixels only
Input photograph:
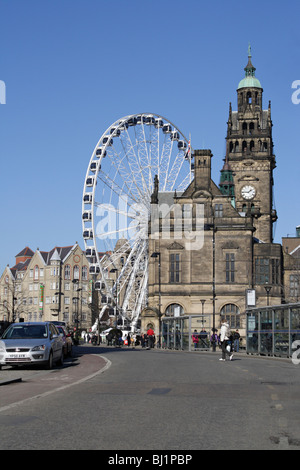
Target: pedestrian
[
  {"x": 150, "y": 335},
  {"x": 109, "y": 339},
  {"x": 128, "y": 340},
  {"x": 203, "y": 338},
  {"x": 195, "y": 339},
  {"x": 236, "y": 340},
  {"x": 214, "y": 339},
  {"x": 225, "y": 340}
]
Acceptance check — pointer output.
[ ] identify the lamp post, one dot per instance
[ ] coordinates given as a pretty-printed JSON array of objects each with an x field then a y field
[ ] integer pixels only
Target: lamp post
[
  {"x": 115, "y": 270},
  {"x": 156, "y": 254},
  {"x": 76, "y": 281},
  {"x": 214, "y": 280},
  {"x": 268, "y": 289},
  {"x": 59, "y": 304}
]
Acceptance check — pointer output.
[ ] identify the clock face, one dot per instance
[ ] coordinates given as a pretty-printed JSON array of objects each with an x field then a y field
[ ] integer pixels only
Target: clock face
[{"x": 248, "y": 192}]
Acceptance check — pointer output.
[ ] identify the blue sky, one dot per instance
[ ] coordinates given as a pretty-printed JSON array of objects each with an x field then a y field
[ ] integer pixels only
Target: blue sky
[{"x": 73, "y": 67}]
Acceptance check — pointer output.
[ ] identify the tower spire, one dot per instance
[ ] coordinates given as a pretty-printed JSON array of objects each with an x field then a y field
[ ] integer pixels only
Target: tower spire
[{"x": 249, "y": 69}]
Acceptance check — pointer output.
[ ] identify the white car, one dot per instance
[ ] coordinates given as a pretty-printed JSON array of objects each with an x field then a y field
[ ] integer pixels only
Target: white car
[{"x": 31, "y": 343}]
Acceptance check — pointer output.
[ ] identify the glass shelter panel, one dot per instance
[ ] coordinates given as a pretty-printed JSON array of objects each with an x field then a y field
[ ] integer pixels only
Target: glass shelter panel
[
  {"x": 188, "y": 332},
  {"x": 252, "y": 333},
  {"x": 272, "y": 330}
]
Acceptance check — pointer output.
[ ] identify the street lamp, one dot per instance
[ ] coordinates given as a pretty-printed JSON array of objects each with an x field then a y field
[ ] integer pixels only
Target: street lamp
[
  {"x": 115, "y": 270},
  {"x": 59, "y": 304},
  {"x": 156, "y": 254},
  {"x": 268, "y": 289}
]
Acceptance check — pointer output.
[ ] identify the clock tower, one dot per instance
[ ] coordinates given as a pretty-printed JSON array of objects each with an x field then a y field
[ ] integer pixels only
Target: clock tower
[{"x": 249, "y": 155}]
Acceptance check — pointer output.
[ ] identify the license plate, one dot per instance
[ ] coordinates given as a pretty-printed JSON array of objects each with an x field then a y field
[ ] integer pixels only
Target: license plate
[{"x": 19, "y": 356}]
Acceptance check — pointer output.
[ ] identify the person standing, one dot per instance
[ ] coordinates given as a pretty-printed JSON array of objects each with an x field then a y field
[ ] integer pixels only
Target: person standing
[
  {"x": 236, "y": 341},
  {"x": 150, "y": 335},
  {"x": 214, "y": 339},
  {"x": 224, "y": 339},
  {"x": 195, "y": 339},
  {"x": 203, "y": 338}
]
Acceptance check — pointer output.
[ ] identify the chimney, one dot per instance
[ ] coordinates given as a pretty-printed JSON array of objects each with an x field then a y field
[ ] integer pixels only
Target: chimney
[{"x": 202, "y": 169}]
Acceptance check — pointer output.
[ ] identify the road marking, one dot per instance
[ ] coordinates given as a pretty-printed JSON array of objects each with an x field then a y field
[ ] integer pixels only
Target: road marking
[{"x": 63, "y": 387}]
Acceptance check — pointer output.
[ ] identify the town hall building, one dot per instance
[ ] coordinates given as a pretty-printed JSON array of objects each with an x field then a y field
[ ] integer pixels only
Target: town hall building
[{"x": 235, "y": 264}]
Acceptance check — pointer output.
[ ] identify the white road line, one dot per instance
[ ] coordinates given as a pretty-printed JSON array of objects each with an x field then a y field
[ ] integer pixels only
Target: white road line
[{"x": 63, "y": 387}]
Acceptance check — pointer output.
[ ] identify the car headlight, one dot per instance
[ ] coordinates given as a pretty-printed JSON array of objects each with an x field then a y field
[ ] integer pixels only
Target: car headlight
[{"x": 41, "y": 347}]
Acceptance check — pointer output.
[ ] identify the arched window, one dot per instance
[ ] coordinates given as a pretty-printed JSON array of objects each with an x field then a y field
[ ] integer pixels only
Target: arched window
[
  {"x": 174, "y": 310},
  {"x": 244, "y": 128},
  {"x": 76, "y": 272},
  {"x": 232, "y": 315},
  {"x": 67, "y": 272},
  {"x": 251, "y": 128},
  {"x": 244, "y": 146},
  {"x": 84, "y": 273},
  {"x": 252, "y": 145},
  {"x": 36, "y": 272}
]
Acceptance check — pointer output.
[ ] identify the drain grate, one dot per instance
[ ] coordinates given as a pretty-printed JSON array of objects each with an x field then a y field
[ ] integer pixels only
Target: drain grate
[{"x": 159, "y": 391}]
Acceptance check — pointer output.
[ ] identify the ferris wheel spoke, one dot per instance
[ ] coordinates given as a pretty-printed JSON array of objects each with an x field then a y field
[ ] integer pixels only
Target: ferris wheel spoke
[
  {"x": 184, "y": 183},
  {"x": 140, "y": 252},
  {"x": 174, "y": 172},
  {"x": 125, "y": 174},
  {"x": 135, "y": 165},
  {"x": 144, "y": 155},
  {"x": 154, "y": 151},
  {"x": 165, "y": 162},
  {"x": 122, "y": 192}
]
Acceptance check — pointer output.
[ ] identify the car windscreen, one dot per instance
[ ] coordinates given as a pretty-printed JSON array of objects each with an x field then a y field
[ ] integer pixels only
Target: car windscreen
[{"x": 26, "y": 332}]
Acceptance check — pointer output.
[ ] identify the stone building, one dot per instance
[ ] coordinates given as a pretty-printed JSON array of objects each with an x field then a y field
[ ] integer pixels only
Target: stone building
[
  {"x": 291, "y": 257},
  {"x": 54, "y": 285},
  {"x": 228, "y": 259}
]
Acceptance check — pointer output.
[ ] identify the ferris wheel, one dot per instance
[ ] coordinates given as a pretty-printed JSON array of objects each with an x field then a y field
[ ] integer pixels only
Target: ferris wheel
[{"x": 116, "y": 203}]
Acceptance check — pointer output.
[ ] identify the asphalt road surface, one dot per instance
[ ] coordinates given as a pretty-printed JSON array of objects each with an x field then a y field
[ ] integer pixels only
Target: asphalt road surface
[{"x": 135, "y": 399}]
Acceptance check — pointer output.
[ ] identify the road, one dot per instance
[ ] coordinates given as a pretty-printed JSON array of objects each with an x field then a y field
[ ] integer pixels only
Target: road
[{"x": 133, "y": 399}]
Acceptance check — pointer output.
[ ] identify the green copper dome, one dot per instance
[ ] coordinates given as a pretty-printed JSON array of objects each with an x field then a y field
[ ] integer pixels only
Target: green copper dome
[
  {"x": 247, "y": 82},
  {"x": 250, "y": 81}
]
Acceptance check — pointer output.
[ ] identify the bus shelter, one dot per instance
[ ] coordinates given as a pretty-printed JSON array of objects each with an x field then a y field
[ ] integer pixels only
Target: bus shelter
[
  {"x": 274, "y": 330},
  {"x": 177, "y": 332}
]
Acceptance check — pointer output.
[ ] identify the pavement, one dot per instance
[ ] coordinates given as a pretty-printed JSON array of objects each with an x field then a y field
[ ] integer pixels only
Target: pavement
[{"x": 77, "y": 367}]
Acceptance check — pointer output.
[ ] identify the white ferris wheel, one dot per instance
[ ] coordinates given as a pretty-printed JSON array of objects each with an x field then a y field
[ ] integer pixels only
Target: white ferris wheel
[{"x": 116, "y": 204}]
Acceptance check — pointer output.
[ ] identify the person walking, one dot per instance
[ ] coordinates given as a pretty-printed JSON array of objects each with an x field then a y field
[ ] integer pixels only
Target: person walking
[{"x": 224, "y": 339}]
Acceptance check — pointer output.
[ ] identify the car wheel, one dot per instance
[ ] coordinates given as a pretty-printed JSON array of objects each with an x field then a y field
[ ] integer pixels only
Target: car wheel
[
  {"x": 60, "y": 361},
  {"x": 50, "y": 361}
]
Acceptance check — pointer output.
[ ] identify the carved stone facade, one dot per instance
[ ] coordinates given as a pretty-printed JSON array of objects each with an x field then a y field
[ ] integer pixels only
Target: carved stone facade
[{"x": 209, "y": 269}]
